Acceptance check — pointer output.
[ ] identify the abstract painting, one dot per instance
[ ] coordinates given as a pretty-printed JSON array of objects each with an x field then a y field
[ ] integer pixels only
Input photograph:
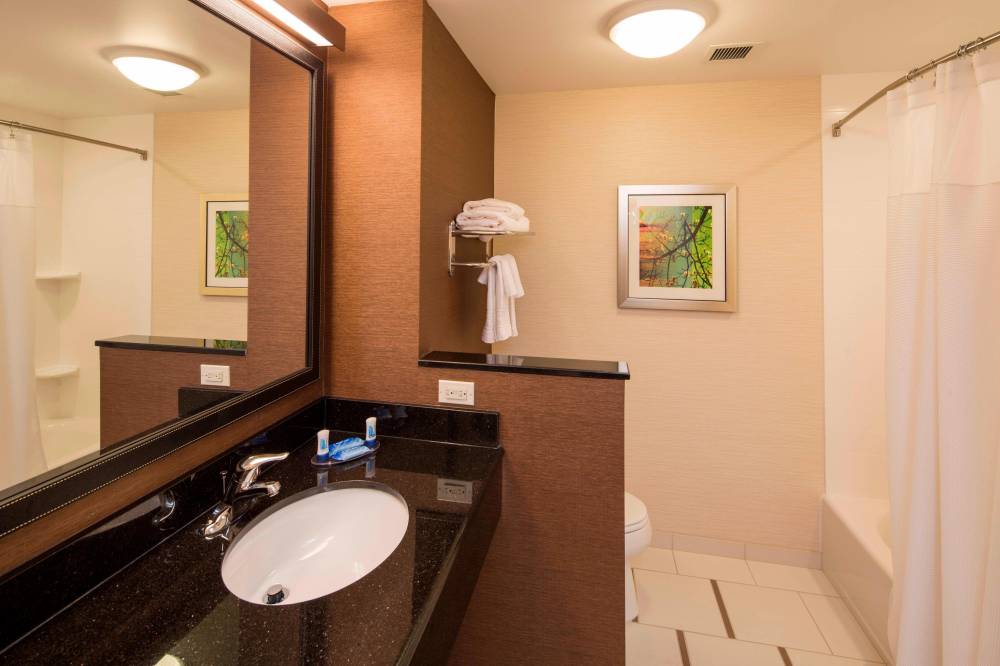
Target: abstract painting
[
  {"x": 226, "y": 234},
  {"x": 677, "y": 247}
]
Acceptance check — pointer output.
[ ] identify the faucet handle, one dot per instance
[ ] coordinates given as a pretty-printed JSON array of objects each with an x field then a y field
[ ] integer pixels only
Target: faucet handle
[{"x": 259, "y": 459}]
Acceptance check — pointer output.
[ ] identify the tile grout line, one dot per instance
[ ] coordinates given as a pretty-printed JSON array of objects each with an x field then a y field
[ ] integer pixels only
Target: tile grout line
[
  {"x": 750, "y": 642},
  {"x": 784, "y": 656},
  {"x": 683, "y": 647},
  {"x": 815, "y": 623},
  {"x": 737, "y": 582},
  {"x": 722, "y": 609}
]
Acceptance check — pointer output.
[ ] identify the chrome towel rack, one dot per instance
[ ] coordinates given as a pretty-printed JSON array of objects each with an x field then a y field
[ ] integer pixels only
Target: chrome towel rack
[{"x": 487, "y": 236}]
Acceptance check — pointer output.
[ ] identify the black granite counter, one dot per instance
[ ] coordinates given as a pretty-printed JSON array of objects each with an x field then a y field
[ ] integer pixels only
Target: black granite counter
[
  {"x": 186, "y": 345},
  {"x": 171, "y": 606},
  {"x": 535, "y": 365}
]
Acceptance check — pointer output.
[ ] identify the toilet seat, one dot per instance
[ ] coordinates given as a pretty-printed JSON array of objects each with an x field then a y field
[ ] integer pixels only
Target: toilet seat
[{"x": 636, "y": 517}]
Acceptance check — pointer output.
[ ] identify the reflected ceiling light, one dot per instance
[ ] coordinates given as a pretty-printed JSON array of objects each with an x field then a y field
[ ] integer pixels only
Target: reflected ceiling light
[
  {"x": 292, "y": 21},
  {"x": 658, "y": 29},
  {"x": 155, "y": 70}
]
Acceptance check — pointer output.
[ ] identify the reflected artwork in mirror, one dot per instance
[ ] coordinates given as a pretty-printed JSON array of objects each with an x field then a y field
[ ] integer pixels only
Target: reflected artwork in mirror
[{"x": 141, "y": 306}]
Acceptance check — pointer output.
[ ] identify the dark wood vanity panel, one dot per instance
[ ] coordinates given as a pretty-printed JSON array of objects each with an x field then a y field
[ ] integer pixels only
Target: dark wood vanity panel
[{"x": 552, "y": 587}]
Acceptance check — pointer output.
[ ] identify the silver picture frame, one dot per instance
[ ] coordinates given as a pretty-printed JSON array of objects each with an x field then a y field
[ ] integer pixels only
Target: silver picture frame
[{"x": 627, "y": 297}]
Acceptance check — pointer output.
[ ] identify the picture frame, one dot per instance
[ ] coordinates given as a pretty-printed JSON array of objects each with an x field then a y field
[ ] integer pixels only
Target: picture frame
[
  {"x": 224, "y": 247},
  {"x": 677, "y": 247}
]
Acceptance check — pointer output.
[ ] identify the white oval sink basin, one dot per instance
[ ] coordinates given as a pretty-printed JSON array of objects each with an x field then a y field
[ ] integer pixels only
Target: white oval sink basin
[{"x": 315, "y": 543}]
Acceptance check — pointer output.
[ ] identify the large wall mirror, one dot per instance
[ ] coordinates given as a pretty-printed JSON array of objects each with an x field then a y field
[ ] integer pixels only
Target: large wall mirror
[{"x": 159, "y": 233}]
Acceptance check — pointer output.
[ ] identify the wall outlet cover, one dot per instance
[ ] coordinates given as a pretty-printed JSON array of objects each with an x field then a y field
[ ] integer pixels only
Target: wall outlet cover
[
  {"x": 456, "y": 393},
  {"x": 215, "y": 375},
  {"x": 452, "y": 490}
]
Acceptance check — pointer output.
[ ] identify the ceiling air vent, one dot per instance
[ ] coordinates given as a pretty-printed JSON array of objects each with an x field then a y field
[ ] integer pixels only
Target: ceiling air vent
[{"x": 721, "y": 52}]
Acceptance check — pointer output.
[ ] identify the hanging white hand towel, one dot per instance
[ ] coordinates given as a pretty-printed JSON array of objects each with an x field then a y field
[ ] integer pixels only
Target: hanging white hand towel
[{"x": 503, "y": 286}]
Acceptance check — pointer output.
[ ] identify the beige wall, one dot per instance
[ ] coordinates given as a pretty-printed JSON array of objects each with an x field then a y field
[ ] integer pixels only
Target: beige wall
[
  {"x": 855, "y": 194},
  {"x": 196, "y": 153},
  {"x": 724, "y": 412}
]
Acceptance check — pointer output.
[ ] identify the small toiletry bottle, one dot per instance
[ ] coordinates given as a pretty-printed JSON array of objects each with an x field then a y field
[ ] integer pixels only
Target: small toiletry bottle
[
  {"x": 323, "y": 445},
  {"x": 370, "y": 430}
]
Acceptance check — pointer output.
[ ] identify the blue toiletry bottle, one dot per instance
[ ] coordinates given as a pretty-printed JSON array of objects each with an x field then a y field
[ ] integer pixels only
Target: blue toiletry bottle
[{"x": 370, "y": 430}]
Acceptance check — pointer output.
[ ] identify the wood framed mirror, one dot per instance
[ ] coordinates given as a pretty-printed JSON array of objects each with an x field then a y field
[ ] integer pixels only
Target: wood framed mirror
[{"x": 142, "y": 310}]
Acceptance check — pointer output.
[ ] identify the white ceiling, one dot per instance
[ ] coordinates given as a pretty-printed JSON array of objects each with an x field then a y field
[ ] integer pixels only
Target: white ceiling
[
  {"x": 539, "y": 45},
  {"x": 51, "y": 62}
]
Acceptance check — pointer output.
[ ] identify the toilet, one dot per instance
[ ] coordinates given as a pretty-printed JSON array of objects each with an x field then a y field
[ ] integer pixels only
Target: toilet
[{"x": 638, "y": 535}]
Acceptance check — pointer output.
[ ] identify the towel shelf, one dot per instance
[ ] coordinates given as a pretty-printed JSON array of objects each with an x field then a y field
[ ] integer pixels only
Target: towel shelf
[{"x": 486, "y": 236}]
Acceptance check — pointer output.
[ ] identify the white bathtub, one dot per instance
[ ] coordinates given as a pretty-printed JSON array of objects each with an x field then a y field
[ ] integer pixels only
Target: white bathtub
[
  {"x": 857, "y": 558},
  {"x": 65, "y": 440}
]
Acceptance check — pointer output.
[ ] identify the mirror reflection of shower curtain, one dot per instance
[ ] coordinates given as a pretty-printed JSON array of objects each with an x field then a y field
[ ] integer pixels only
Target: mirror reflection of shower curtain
[
  {"x": 21, "y": 454},
  {"x": 943, "y": 364}
]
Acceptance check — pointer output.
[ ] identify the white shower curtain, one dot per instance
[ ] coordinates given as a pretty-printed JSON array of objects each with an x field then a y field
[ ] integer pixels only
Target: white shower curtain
[
  {"x": 943, "y": 364},
  {"x": 21, "y": 455}
]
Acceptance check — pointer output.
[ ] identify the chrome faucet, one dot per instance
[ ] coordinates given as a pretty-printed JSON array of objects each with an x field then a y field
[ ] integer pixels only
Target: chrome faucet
[{"x": 222, "y": 516}]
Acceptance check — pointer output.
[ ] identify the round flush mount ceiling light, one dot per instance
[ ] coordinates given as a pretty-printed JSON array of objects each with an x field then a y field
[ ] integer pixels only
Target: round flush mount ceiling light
[
  {"x": 658, "y": 29},
  {"x": 155, "y": 70}
]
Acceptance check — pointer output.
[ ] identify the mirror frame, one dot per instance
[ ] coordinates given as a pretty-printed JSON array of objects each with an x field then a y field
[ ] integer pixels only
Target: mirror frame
[{"x": 36, "y": 497}]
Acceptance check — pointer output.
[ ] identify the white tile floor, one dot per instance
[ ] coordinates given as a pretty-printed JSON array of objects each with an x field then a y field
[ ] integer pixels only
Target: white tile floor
[{"x": 706, "y": 610}]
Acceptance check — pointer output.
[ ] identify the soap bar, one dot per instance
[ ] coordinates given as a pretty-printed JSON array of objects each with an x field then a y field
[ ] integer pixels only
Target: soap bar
[
  {"x": 351, "y": 453},
  {"x": 345, "y": 444}
]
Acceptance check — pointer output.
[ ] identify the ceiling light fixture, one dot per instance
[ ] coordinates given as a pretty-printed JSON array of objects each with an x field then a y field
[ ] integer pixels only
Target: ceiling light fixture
[
  {"x": 155, "y": 70},
  {"x": 657, "y": 29},
  {"x": 299, "y": 26}
]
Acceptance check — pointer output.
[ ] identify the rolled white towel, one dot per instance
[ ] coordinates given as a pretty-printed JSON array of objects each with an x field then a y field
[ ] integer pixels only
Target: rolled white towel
[
  {"x": 498, "y": 205},
  {"x": 485, "y": 220}
]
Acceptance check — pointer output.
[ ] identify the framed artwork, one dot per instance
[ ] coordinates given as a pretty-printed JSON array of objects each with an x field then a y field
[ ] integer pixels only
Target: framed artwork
[
  {"x": 677, "y": 247},
  {"x": 225, "y": 256}
]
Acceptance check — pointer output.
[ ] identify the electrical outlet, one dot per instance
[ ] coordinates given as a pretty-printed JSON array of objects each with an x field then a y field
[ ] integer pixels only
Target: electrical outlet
[
  {"x": 450, "y": 490},
  {"x": 457, "y": 393},
  {"x": 215, "y": 375}
]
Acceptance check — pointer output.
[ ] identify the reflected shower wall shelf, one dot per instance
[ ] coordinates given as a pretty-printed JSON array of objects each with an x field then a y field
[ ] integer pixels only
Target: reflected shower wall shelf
[
  {"x": 57, "y": 371},
  {"x": 49, "y": 276},
  {"x": 486, "y": 236}
]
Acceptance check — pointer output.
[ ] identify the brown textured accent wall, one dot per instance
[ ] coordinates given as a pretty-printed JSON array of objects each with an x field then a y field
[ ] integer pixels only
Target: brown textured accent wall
[
  {"x": 279, "y": 204},
  {"x": 551, "y": 590},
  {"x": 456, "y": 165},
  {"x": 139, "y": 387}
]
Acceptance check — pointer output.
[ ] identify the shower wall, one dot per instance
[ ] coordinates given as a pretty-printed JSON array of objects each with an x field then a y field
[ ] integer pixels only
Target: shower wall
[
  {"x": 92, "y": 217},
  {"x": 48, "y": 214},
  {"x": 855, "y": 182},
  {"x": 107, "y": 236}
]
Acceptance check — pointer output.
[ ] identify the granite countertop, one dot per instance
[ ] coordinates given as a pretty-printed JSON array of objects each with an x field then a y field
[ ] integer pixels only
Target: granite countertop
[
  {"x": 172, "y": 344},
  {"x": 171, "y": 606},
  {"x": 533, "y": 365}
]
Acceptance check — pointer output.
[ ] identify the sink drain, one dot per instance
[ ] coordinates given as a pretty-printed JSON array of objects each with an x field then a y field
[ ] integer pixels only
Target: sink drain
[{"x": 275, "y": 594}]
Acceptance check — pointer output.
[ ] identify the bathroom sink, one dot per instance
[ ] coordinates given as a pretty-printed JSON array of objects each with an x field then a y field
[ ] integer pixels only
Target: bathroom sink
[{"x": 315, "y": 543}]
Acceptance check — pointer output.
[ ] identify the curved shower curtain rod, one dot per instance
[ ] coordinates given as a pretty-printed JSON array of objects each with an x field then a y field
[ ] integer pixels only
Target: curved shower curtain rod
[
  {"x": 13, "y": 124},
  {"x": 963, "y": 50}
]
